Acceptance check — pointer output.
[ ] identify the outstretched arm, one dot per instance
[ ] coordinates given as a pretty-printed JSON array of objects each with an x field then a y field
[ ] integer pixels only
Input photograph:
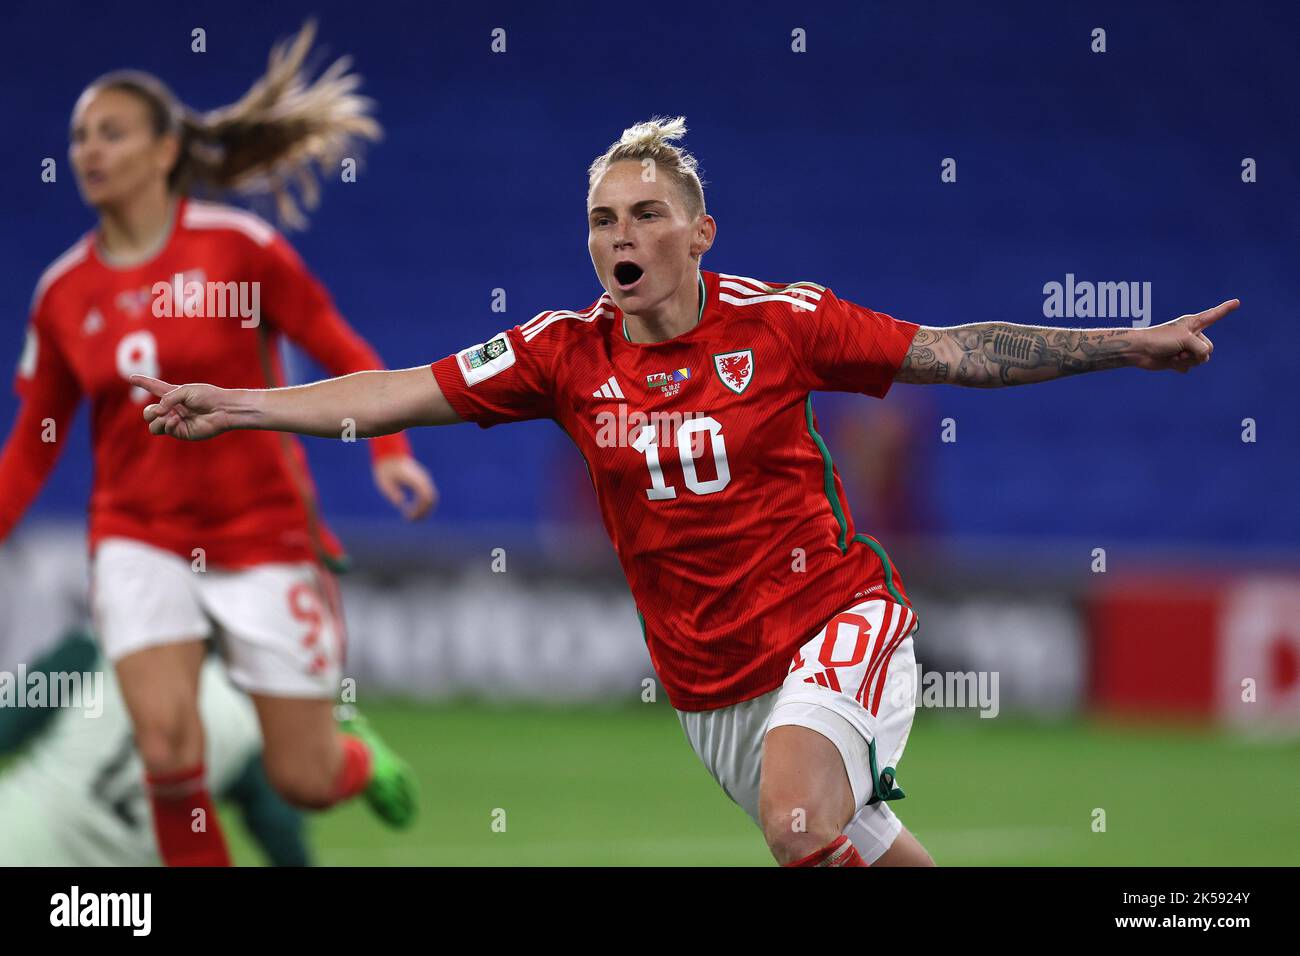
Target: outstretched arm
[
  {"x": 365, "y": 404},
  {"x": 994, "y": 354},
  {"x": 297, "y": 304}
]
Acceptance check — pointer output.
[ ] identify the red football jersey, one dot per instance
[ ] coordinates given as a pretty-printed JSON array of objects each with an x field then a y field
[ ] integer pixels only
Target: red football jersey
[
  {"x": 717, "y": 491},
  {"x": 211, "y": 306}
]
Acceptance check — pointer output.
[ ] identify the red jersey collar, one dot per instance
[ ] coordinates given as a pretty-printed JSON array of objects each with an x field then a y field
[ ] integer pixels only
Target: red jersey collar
[{"x": 178, "y": 214}]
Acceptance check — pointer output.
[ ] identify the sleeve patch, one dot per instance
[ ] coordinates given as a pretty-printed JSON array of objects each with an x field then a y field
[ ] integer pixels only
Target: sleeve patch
[
  {"x": 479, "y": 362},
  {"x": 27, "y": 363}
]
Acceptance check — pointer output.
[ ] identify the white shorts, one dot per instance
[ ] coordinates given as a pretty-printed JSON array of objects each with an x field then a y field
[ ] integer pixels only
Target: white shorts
[
  {"x": 855, "y": 683},
  {"x": 277, "y": 625}
]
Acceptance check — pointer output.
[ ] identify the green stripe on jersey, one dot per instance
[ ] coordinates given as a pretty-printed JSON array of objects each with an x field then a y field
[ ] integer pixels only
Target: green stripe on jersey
[
  {"x": 874, "y": 545},
  {"x": 828, "y": 477},
  {"x": 828, "y": 485}
]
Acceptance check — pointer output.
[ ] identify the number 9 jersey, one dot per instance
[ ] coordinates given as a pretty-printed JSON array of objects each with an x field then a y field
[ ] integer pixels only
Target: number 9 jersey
[
  {"x": 212, "y": 305},
  {"x": 715, "y": 487}
]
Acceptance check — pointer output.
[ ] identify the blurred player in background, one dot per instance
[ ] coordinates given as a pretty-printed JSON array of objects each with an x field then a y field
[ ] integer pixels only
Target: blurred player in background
[
  {"x": 76, "y": 796},
  {"x": 229, "y": 543},
  {"x": 783, "y": 637}
]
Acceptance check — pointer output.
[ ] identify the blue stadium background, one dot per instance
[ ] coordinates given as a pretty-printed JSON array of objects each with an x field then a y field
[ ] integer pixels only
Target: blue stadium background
[{"x": 1114, "y": 167}]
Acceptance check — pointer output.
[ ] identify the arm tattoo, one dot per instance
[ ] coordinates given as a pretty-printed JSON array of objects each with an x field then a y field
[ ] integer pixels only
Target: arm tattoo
[{"x": 993, "y": 354}]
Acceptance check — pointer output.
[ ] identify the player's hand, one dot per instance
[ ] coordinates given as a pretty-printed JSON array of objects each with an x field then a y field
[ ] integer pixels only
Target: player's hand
[
  {"x": 1181, "y": 344},
  {"x": 187, "y": 412},
  {"x": 405, "y": 482}
]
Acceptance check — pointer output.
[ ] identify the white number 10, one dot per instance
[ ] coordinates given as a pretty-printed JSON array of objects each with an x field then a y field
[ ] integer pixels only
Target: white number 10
[{"x": 659, "y": 490}]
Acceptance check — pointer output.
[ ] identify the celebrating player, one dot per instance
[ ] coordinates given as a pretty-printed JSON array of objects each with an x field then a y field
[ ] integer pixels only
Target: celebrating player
[
  {"x": 782, "y": 635},
  {"x": 231, "y": 536}
]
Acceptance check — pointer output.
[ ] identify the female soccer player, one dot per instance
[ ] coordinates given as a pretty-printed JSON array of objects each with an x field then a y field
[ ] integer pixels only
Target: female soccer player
[
  {"x": 783, "y": 637},
  {"x": 231, "y": 538}
]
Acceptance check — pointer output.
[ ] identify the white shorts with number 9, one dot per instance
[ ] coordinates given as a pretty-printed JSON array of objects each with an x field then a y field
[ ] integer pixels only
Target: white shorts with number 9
[
  {"x": 855, "y": 683},
  {"x": 277, "y": 625}
]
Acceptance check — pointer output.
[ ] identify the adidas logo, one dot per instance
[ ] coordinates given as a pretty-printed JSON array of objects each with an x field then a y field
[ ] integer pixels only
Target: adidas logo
[{"x": 609, "y": 390}]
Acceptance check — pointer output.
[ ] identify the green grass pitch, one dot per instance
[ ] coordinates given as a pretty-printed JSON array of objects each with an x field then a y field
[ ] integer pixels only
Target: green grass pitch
[{"x": 620, "y": 786}]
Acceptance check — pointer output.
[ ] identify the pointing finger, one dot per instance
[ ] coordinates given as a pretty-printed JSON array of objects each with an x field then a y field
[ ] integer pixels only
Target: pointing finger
[
  {"x": 154, "y": 385},
  {"x": 1203, "y": 320}
]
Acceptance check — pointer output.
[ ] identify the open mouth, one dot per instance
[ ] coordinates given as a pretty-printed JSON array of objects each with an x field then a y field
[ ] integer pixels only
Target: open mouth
[{"x": 628, "y": 275}]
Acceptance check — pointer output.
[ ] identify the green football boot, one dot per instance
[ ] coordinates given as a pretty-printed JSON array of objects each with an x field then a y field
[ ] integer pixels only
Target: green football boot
[{"x": 392, "y": 792}]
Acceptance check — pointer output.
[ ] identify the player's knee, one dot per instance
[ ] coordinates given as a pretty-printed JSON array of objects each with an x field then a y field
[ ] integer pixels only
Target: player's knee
[
  {"x": 791, "y": 835},
  {"x": 170, "y": 742}
]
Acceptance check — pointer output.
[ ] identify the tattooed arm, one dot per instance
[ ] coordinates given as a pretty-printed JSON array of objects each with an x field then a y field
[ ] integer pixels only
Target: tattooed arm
[{"x": 994, "y": 354}]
